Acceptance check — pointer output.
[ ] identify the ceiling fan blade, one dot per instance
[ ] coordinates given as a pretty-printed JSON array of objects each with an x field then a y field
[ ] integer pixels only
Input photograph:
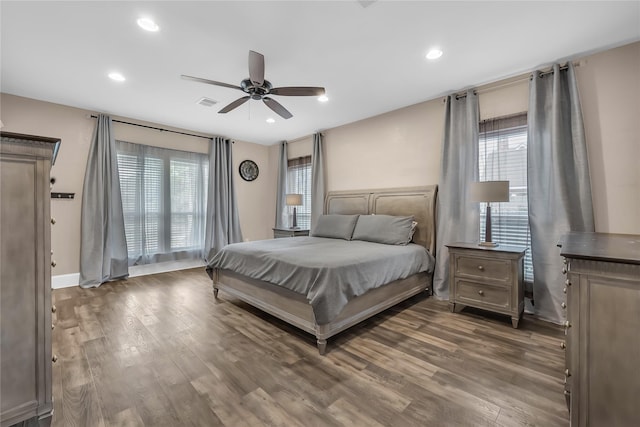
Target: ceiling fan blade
[
  {"x": 235, "y": 104},
  {"x": 211, "y": 82},
  {"x": 297, "y": 91},
  {"x": 256, "y": 68},
  {"x": 277, "y": 107}
]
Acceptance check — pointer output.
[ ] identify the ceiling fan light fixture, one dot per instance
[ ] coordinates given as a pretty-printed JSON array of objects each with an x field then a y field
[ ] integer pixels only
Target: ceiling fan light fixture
[
  {"x": 434, "y": 53},
  {"x": 323, "y": 98},
  {"x": 271, "y": 120},
  {"x": 116, "y": 76},
  {"x": 148, "y": 25}
]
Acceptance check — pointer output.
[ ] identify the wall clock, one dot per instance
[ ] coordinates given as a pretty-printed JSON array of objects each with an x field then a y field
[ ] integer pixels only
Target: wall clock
[{"x": 248, "y": 170}]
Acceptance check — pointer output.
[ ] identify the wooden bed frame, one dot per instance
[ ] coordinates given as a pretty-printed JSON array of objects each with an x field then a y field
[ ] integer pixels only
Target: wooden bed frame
[{"x": 294, "y": 308}]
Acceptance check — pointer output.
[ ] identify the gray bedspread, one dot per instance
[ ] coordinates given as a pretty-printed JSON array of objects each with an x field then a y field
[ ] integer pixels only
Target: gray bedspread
[{"x": 330, "y": 272}]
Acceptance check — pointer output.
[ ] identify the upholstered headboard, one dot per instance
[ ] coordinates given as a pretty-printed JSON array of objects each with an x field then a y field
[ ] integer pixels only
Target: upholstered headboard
[{"x": 417, "y": 201}]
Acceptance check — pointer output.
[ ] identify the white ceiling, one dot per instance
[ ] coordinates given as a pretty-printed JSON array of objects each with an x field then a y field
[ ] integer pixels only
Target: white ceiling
[{"x": 370, "y": 59}]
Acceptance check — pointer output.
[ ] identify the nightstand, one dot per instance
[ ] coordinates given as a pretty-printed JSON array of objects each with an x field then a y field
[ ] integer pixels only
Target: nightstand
[
  {"x": 487, "y": 278},
  {"x": 289, "y": 232}
]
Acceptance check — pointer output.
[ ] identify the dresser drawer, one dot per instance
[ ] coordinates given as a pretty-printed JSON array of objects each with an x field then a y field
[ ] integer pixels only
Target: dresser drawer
[
  {"x": 483, "y": 268},
  {"x": 482, "y": 295}
]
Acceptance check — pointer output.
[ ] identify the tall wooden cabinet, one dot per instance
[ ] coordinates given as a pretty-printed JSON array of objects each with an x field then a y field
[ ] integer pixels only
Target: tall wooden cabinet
[
  {"x": 25, "y": 278},
  {"x": 602, "y": 345}
]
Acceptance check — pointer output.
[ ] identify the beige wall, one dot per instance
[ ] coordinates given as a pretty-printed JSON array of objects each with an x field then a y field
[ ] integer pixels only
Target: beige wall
[
  {"x": 609, "y": 84},
  {"x": 72, "y": 125},
  {"x": 402, "y": 147}
]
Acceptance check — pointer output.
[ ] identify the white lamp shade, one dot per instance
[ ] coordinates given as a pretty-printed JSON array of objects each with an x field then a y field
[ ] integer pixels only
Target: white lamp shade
[
  {"x": 294, "y": 199},
  {"x": 489, "y": 191}
]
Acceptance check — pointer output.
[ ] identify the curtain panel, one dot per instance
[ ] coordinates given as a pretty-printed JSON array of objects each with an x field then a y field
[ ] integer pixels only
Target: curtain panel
[
  {"x": 558, "y": 181},
  {"x": 317, "y": 180},
  {"x": 222, "y": 220},
  {"x": 458, "y": 218},
  {"x": 281, "y": 191},
  {"x": 103, "y": 246}
]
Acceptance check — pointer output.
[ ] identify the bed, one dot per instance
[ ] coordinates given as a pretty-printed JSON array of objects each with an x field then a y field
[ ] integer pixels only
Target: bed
[{"x": 298, "y": 308}]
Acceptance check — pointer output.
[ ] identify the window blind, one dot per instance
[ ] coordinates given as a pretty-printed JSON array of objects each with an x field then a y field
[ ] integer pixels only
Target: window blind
[
  {"x": 299, "y": 182},
  {"x": 164, "y": 202},
  {"x": 503, "y": 157}
]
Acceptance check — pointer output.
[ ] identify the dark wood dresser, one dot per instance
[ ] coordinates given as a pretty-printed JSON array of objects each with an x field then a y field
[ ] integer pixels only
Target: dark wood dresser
[
  {"x": 602, "y": 329},
  {"x": 25, "y": 279}
]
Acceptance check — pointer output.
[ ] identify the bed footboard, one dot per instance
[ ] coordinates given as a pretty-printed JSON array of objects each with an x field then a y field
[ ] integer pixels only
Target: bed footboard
[{"x": 294, "y": 309}]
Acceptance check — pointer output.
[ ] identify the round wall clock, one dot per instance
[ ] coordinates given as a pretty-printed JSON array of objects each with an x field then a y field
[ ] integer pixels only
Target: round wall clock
[{"x": 248, "y": 170}]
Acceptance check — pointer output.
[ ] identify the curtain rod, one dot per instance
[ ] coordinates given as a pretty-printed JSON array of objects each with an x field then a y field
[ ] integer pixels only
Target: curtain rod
[
  {"x": 520, "y": 79},
  {"x": 303, "y": 137},
  {"x": 156, "y": 128}
]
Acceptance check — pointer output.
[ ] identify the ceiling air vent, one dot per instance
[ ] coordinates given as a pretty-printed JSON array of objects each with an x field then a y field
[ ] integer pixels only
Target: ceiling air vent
[{"x": 207, "y": 102}]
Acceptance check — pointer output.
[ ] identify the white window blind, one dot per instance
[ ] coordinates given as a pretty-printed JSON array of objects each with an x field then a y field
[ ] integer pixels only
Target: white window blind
[
  {"x": 164, "y": 202},
  {"x": 299, "y": 182},
  {"x": 503, "y": 157}
]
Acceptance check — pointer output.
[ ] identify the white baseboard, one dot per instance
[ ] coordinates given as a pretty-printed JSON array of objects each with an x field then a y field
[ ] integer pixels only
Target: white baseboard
[
  {"x": 163, "y": 267},
  {"x": 73, "y": 279},
  {"x": 65, "y": 280}
]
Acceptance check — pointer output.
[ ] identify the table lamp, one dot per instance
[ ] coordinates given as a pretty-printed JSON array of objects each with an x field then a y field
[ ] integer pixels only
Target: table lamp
[
  {"x": 294, "y": 200},
  {"x": 489, "y": 191}
]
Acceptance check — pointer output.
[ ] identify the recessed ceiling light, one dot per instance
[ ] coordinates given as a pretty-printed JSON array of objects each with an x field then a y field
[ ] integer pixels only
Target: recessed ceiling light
[
  {"x": 323, "y": 98},
  {"x": 148, "y": 24},
  {"x": 117, "y": 77},
  {"x": 434, "y": 54},
  {"x": 271, "y": 120}
]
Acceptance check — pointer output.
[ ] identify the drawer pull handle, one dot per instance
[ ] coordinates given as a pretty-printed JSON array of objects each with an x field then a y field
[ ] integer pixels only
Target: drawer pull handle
[
  {"x": 563, "y": 345},
  {"x": 480, "y": 292},
  {"x": 481, "y": 268},
  {"x": 564, "y": 270},
  {"x": 53, "y": 220},
  {"x": 54, "y": 359},
  {"x": 567, "y": 324},
  {"x": 53, "y": 308},
  {"x": 567, "y": 393},
  {"x": 564, "y": 290},
  {"x": 566, "y": 372},
  {"x": 53, "y": 263},
  {"x": 563, "y": 305},
  {"x": 52, "y": 326},
  {"x": 567, "y": 282}
]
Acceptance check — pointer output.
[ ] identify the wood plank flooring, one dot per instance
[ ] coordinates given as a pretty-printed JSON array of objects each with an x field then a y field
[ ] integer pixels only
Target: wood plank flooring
[{"x": 161, "y": 351}]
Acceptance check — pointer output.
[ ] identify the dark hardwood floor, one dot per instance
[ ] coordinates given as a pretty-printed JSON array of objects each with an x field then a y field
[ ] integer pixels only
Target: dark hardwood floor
[{"x": 160, "y": 351}]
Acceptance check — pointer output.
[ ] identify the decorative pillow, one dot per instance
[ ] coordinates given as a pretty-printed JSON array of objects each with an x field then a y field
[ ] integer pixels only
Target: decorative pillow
[
  {"x": 335, "y": 226},
  {"x": 387, "y": 229}
]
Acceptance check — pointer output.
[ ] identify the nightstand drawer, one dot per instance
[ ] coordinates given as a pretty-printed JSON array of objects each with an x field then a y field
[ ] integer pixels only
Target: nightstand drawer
[
  {"x": 483, "y": 296},
  {"x": 483, "y": 268},
  {"x": 289, "y": 232}
]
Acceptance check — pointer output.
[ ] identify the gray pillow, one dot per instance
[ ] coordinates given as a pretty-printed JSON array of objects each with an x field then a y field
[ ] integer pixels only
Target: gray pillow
[
  {"x": 387, "y": 229},
  {"x": 335, "y": 226}
]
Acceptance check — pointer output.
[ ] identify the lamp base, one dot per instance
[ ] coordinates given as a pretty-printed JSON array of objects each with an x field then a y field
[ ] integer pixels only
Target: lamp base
[{"x": 488, "y": 244}]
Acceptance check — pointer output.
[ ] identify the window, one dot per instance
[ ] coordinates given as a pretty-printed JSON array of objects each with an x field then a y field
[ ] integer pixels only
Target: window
[
  {"x": 503, "y": 157},
  {"x": 299, "y": 182},
  {"x": 164, "y": 198}
]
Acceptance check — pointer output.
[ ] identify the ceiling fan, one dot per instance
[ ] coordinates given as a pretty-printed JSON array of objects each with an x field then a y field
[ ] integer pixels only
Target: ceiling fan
[{"x": 256, "y": 87}]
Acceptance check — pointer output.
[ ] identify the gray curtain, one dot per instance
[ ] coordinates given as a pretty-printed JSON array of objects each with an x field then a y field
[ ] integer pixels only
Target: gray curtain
[
  {"x": 558, "y": 181},
  {"x": 317, "y": 179},
  {"x": 457, "y": 218},
  {"x": 281, "y": 208},
  {"x": 103, "y": 245},
  {"x": 222, "y": 223}
]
